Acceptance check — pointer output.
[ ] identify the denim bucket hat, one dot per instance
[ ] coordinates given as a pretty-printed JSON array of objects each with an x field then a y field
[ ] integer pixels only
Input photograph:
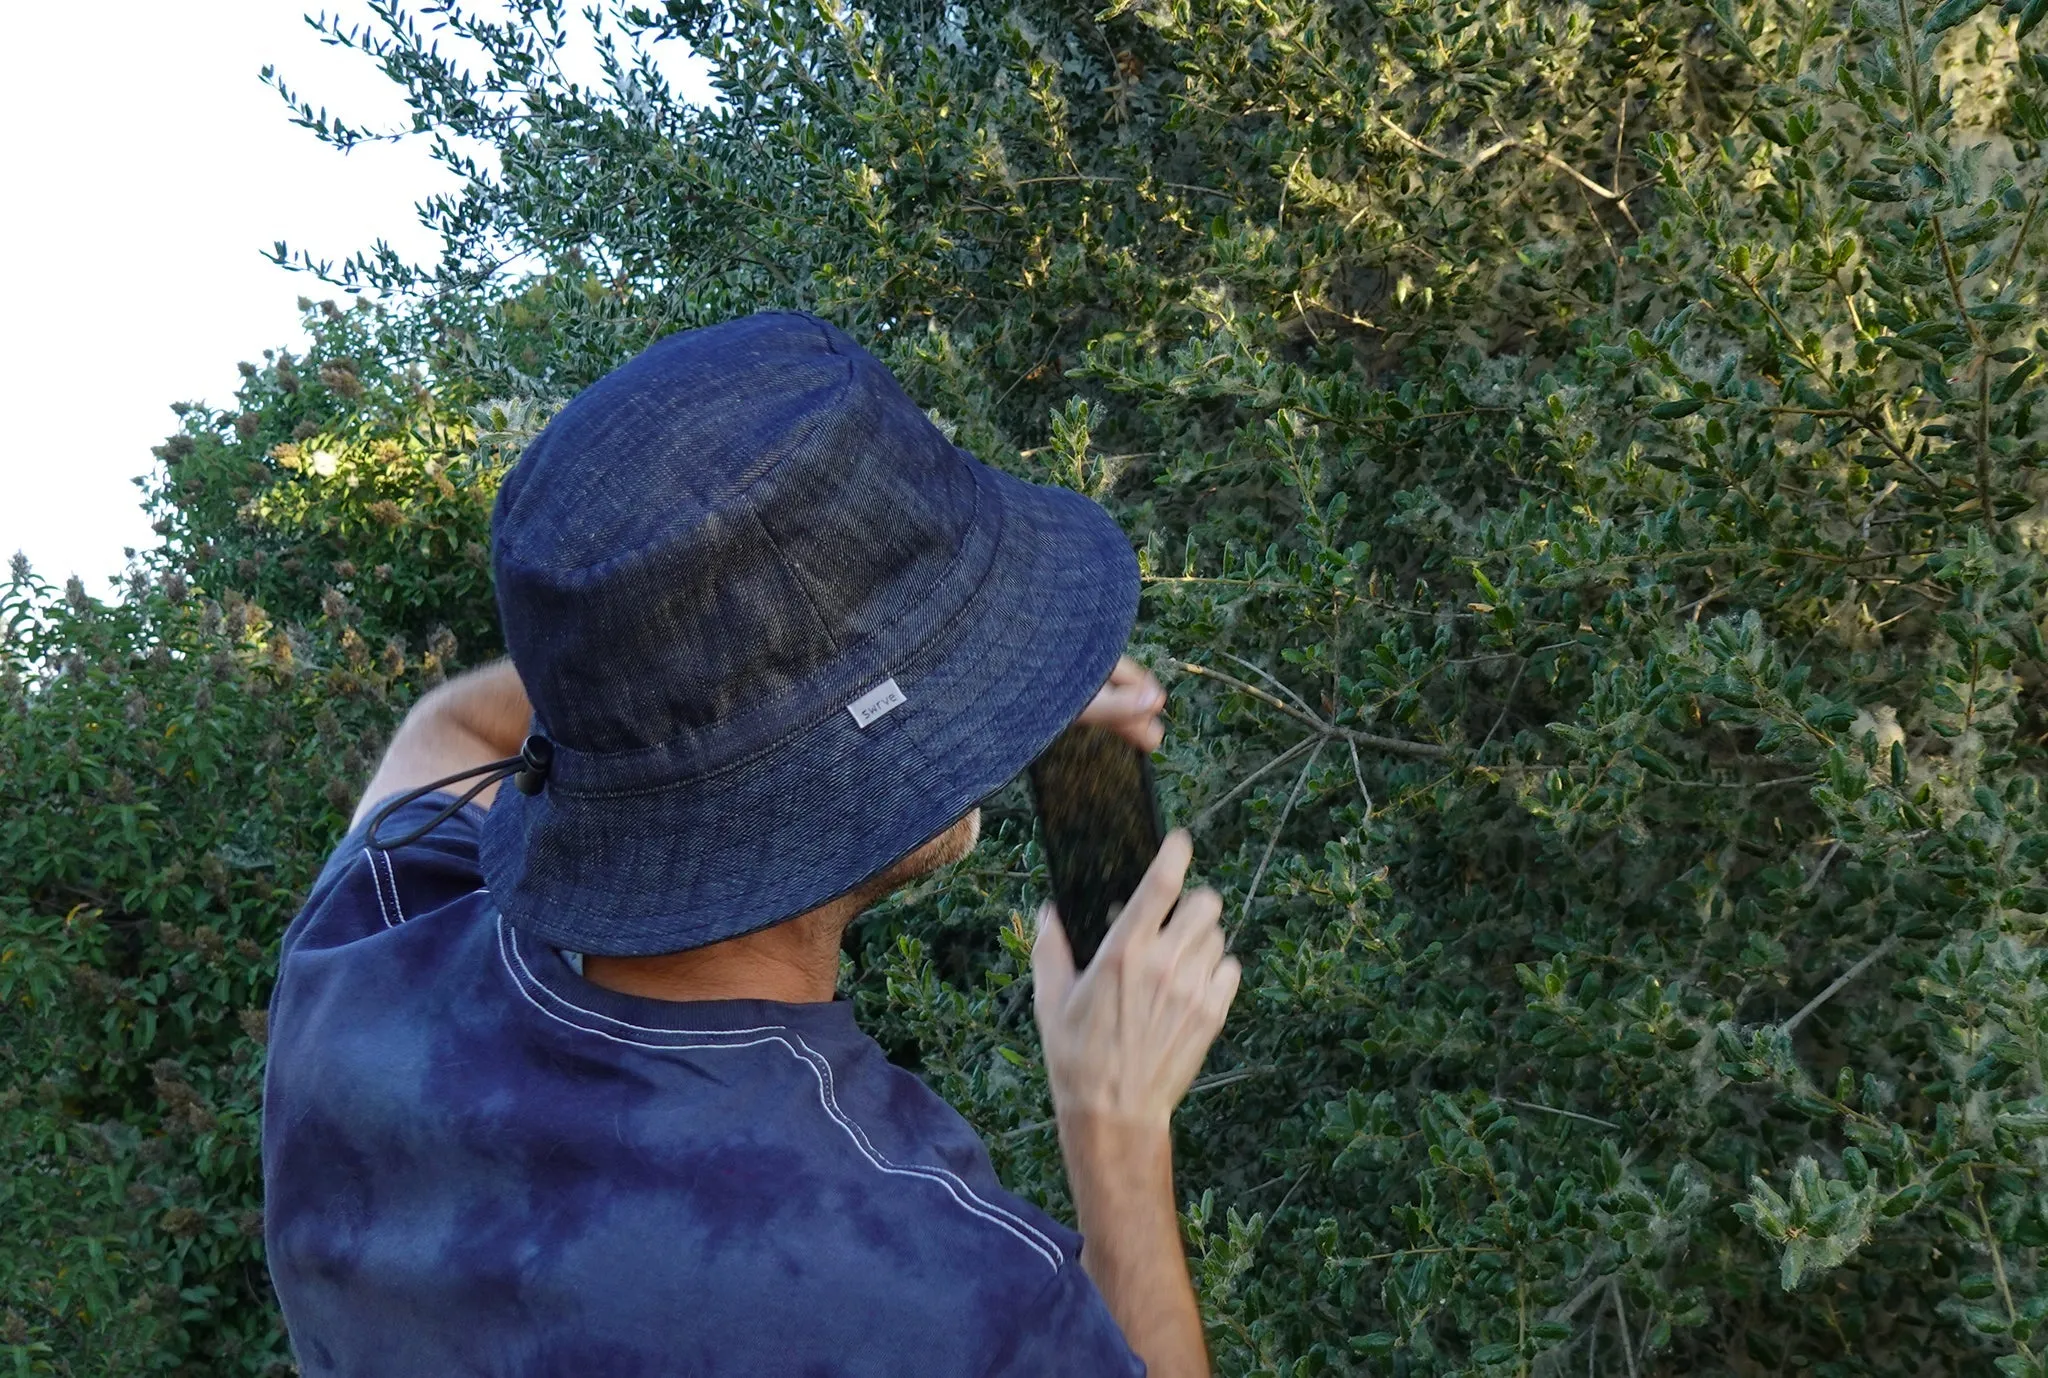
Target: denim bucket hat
[{"x": 778, "y": 632}]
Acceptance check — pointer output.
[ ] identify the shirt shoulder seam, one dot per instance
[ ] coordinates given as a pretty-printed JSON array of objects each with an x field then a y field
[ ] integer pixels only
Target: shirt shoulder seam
[
  {"x": 531, "y": 988},
  {"x": 377, "y": 885}
]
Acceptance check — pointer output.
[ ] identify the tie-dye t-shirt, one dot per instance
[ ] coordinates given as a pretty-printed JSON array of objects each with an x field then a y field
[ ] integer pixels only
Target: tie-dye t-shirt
[{"x": 477, "y": 1163}]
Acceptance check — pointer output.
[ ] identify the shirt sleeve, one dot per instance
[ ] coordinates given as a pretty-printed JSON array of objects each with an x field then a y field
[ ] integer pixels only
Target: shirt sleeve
[
  {"x": 1066, "y": 1332},
  {"x": 364, "y": 890}
]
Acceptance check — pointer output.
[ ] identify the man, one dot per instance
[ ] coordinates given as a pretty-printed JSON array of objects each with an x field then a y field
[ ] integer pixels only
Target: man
[{"x": 557, "y": 1081}]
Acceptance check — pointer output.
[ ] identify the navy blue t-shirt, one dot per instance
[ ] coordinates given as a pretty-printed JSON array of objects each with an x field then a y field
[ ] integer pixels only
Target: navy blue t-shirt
[{"x": 477, "y": 1163}]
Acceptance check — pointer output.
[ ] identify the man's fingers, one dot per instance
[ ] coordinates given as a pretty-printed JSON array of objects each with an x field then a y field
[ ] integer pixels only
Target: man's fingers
[
  {"x": 1128, "y": 671},
  {"x": 1223, "y": 988},
  {"x": 1198, "y": 915},
  {"x": 1147, "y": 909},
  {"x": 1206, "y": 943},
  {"x": 1130, "y": 691},
  {"x": 1052, "y": 961},
  {"x": 1117, "y": 703}
]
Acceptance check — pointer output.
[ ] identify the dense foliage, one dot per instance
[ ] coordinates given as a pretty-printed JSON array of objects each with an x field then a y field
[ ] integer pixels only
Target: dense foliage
[{"x": 1586, "y": 463}]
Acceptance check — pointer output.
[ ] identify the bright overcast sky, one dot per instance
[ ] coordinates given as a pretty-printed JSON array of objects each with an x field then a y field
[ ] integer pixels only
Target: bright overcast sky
[{"x": 148, "y": 168}]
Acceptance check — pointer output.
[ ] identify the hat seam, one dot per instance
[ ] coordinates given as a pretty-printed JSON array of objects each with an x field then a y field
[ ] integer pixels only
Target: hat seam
[
  {"x": 739, "y": 497},
  {"x": 803, "y": 589}
]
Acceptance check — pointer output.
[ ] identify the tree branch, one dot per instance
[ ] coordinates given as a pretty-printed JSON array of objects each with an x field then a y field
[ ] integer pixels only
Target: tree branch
[
  {"x": 1428, "y": 751},
  {"x": 1875, "y": 955}
]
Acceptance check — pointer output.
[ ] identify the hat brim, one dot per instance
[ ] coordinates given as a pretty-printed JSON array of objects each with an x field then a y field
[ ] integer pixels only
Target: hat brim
[{"x": 829, "y": 807}]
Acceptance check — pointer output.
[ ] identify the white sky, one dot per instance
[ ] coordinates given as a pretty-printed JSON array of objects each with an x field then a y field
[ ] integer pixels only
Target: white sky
[{"x": 150, "y": 169}]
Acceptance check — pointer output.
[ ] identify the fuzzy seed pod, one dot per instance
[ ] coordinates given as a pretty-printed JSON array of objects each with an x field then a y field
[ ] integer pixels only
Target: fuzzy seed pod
[
  {"x": 182, "y": 1222},
  {"x": 341, "y": 380}
]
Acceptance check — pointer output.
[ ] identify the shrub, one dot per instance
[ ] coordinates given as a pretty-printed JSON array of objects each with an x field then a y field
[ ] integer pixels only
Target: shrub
[{"x": 1586, "y": 465}]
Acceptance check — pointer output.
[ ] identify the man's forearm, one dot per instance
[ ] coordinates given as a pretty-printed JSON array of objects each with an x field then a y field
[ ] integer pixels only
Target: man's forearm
[
  {"x": 1122, "y": 1178},
  {"x": 487, "y": 703},
  {"x": 474, "y": 718}
]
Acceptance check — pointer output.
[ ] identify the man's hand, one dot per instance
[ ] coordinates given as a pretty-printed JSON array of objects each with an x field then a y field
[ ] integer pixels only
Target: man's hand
[
  {"x": 1123, "y": 1041},
  {"x": 1124, "y": 1038},
  {"x": 1129, "y": 705}
]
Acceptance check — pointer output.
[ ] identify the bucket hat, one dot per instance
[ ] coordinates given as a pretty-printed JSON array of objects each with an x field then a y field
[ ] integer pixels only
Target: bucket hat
[{"x": 778, "y": 632}]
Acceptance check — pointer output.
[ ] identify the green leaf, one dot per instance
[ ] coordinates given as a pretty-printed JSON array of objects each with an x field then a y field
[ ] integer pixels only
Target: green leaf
[
  {"x": 1951, "y": 13},
  {"x": 1671, "y": 411},
  {"x": 1998, "y": 311}
]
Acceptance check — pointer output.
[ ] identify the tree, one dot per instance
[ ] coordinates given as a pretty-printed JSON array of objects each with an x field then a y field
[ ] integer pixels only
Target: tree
[{"x": 1585, "y": 462}]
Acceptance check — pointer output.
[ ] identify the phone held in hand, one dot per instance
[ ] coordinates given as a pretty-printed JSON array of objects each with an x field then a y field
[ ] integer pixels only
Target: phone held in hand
[{"x": 1098, "y": 815}]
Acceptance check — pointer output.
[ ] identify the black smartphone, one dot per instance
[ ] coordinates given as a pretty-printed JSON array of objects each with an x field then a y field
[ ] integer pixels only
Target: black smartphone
[{"x": 1098, "y": 817}]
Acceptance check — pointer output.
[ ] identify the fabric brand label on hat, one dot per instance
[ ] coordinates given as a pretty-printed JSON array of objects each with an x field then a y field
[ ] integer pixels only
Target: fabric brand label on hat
[{"x": 883, "y": 698}]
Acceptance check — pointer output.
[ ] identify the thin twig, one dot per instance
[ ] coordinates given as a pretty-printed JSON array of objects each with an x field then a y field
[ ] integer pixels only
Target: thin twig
[
  {"x": 1875, "y": 955},
  {"x": 1268, "y": 676},
  {"x": 1745, "y": 784},
  {"x": 1628, "y": 1347},
  {"x": 1236, "y": 1074},
  {"x": 1568, "y": 1114},
  {"x": 1400, "y": 746},
  {"x": 1392, "y": 1254},
  {"x": 1564, "y": 1311},
  {"x": 1253, "y": 1191},
  {"x": 1822, "y": 868},
  {"x": 1358, "y": 774},
  {"x": 1494, "y": 150},
  {"x": 1242, "y": 785},
  {"x": 1288, "y": 1195},
  {"x": 1251, "y": 895},
  {"x": 1507, "y": 701},
  {"x": 1125, "y": 181}
]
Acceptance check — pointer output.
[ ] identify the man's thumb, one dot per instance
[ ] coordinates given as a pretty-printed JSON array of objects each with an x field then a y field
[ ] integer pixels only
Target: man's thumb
[{"x": 1052, "y": 960}]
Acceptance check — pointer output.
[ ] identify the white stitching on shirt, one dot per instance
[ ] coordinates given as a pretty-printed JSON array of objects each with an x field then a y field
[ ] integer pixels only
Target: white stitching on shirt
[
  {"x": 820, "y": 1067},
  {"x": 820, "y": 1063},
  {"x": 396, "y": 907},
  {"x": 377, "y": 884}
]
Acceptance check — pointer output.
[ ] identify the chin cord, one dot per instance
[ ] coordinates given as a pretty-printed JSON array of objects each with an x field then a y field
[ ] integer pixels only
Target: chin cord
[{"x": 528, "y": 770}]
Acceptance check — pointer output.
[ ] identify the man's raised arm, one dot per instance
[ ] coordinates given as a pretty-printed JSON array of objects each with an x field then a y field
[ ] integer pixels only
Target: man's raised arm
[{"x": 475, "y": 718}]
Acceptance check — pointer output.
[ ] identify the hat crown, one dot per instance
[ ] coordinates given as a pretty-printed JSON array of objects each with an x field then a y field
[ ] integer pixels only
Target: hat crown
[{"x": 741, "y": 527}]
